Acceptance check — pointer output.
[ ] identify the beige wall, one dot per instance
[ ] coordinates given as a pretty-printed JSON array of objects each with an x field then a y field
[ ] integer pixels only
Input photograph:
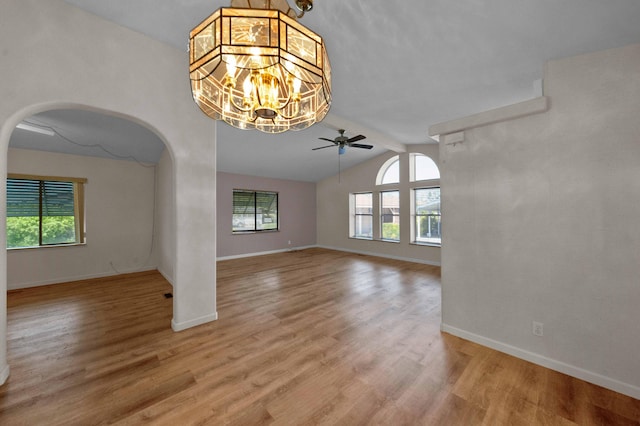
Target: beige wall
[
  {"x": 119, "y": 200},
  {"x": 333, "y": 209},
  {"x": 542, "y": 225}
]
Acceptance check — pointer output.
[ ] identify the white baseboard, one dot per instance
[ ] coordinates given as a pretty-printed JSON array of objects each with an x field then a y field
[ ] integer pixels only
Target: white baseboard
[
  {"x": 166, "y": 276},
  {"x": 386, "y": 256},
  {"x": 179, "y": 326},
  {"x": 571, "y": 370},
  {"x": 4, "y": 375},
  {"x": 262, "y": 253},
  {"x": 60, "y": 280}
]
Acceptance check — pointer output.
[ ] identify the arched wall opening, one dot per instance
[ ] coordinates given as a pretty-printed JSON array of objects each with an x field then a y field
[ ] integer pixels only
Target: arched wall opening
[{"x": 123, "y": 204}]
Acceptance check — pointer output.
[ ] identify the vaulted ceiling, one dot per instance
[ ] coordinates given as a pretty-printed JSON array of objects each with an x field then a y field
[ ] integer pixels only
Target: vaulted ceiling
[{"x": 398, "y": 66}]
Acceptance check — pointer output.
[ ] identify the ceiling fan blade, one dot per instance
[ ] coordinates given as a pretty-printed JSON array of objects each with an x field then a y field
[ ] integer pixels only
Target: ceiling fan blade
[
  {"x": 356, "y": 138},
  {"x": 359, "y": 145},
  {"x": 321, "y": 147},
  {"x": 328, "y": 140}
]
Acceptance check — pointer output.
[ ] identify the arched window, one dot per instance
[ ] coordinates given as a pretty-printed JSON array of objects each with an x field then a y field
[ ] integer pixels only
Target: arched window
[
  {"x": 389, "y": 172},
  {"x": 389, "y": 204},
  {"x": 423, "y": 168}
]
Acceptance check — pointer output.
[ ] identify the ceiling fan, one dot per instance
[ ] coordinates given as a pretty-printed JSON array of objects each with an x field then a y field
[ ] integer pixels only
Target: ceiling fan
[{"x": 342, "y": 142}]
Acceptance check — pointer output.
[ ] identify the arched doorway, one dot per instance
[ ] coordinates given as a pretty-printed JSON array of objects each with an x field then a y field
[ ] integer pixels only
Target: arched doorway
[{"x": 168, "y": 252}]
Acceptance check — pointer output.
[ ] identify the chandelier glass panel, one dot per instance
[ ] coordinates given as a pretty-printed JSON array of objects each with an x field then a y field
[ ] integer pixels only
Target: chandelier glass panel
[{"x": 259, "y": 68}]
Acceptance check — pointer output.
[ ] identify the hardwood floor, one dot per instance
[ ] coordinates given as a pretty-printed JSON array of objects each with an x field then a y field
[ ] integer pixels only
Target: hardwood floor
[{"x": 307, "y": 337}]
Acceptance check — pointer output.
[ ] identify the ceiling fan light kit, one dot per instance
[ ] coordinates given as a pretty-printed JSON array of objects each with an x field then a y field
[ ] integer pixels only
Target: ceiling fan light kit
[{"x": 255, "y": 67}]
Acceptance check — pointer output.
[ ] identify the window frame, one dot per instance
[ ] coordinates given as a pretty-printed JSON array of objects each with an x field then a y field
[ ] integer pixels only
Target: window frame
[
  {"x": 78, "y": 208},
  {"x": 382, "y": 171},
  {"x": 396, "y": 216},
  {"x": 413, "y": 169},
  {"x": 255, "y": 211},
  {"x": 354, "y": 215},
  {"x": 414, "y": 216}
]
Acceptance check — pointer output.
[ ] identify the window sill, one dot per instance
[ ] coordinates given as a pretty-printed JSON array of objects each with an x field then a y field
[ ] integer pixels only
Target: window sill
[
  {"x": 416, "y": 243},
  {"x": 388, "y": 241},
  {"x": 375, "y": 239},
  {"x": 413, "y": 243},
  {"x": 254, "y": 232},
  {"x": 46, "y": 247}
]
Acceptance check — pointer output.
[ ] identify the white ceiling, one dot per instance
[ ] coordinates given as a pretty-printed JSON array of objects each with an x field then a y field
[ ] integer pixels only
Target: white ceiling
[
  {"x": 399, "y": 66},
  {"x": 89, "y": 133}
]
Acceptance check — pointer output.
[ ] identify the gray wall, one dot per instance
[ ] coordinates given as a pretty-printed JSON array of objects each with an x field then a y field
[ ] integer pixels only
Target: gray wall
[
  {"x": 165, "y": 217},
  {"x": 296, "y": 211},
  {"x": 540, "y": 222}
]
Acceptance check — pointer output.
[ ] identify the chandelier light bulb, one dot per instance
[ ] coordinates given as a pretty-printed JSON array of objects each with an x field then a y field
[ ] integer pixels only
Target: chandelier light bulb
[
  {"x": 231, "y": 66},
  {"x": 247, "y": 86}
]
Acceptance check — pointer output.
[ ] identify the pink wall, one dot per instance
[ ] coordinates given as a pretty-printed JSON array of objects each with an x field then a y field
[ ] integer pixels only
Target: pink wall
[{"x": 297, "y": 211}]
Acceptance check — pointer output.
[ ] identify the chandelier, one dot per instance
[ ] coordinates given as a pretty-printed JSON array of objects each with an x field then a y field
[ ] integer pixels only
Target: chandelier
[{"x": 255, "y": 67}]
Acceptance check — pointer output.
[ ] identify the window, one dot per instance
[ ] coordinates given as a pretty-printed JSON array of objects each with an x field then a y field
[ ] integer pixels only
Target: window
[
  {"x": 255, "y": 211},
  {"x": 423, "y": 168},
  {"x": 389, "y": 172},
  {"x": 419, "y": 190},
  {"x": 426, "y": 223},
  {"x": 427, "y": 216},
  {"x": 362, "y": 215},
  {"x": 44, "y": 211},
  {"x": 390, "y": 215}
]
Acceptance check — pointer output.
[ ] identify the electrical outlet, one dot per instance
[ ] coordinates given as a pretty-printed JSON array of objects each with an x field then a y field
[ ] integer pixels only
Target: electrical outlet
[{"x": 538, "y": 329}]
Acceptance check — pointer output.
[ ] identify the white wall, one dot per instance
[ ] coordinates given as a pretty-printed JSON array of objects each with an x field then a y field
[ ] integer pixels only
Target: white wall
[
  {"x": 54, "y": 55},
  {"x": 119, "y": 200},
  {"x": 165, "y": 217},
  {"x": 296, "y": 211},
  {"x": 333, "y": 209},
  {"x": 542, "y": 225}
]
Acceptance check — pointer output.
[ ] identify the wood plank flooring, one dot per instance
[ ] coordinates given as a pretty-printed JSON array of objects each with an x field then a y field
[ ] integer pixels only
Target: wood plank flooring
[{"x": 307, "y": 337}]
